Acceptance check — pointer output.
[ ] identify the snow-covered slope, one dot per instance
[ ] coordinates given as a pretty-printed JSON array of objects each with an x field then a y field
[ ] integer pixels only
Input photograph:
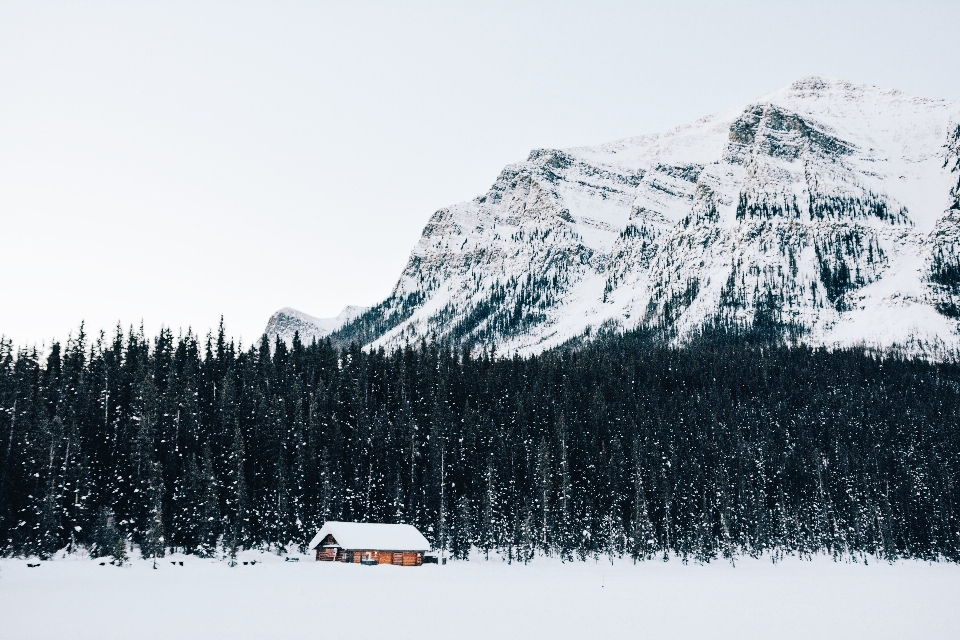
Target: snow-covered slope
[
  {"x": 827, "y": 208},
  {"x": 286, "y": 322}
]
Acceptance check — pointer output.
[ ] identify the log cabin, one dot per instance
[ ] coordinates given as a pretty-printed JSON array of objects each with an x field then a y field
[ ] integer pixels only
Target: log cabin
[{"x": 370, "y": 543}]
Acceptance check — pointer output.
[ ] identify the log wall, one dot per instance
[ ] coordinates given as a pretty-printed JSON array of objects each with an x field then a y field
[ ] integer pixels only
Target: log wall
[{"x": 399, "y": 558}]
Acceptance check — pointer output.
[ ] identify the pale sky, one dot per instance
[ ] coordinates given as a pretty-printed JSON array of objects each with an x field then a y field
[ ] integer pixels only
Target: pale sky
[{"x": 171, "y": 162}]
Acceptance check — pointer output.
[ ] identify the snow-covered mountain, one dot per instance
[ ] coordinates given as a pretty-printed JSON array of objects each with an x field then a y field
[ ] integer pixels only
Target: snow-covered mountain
[
  {"x": 286, "y": 322},
  {"x": 829, "y": 208}
]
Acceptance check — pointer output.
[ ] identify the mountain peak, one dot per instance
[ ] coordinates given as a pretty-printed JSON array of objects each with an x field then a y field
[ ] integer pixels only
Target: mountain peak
[
  {"x": 814, "y": 83},
  {"x": 288, "y": 321},
  {"x": 820, "y": 210}
]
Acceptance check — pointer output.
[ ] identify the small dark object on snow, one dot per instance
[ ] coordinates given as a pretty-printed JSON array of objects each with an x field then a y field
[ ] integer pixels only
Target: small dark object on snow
[
  {"x": 292, "y": 560},
  {"x": 181, "y": 563},
  {"x": 103, "y": 564},
  {"x": 171, "y": 562},
  {"x": 33, "y": 565},
  {"x": 253, "y": 562},
  {"x": 245, "y": 563},
  {"x": 430, "y": 560}
]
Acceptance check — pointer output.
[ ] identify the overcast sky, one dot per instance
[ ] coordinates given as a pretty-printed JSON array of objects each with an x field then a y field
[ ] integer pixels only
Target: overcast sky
[{"x": 173, "y": 162}]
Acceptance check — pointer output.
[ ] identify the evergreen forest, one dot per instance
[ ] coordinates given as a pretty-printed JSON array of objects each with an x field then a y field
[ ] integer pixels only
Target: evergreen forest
[{"x": 732, "y": 445}]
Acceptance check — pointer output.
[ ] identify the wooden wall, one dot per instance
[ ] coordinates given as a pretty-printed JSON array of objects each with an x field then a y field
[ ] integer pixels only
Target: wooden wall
[
  {"x": 400, "y": 558},
  {"x": 328, "y": 554}
]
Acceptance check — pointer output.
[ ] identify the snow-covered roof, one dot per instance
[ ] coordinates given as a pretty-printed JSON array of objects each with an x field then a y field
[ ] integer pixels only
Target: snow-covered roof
[{"x": 373, "y": 536}]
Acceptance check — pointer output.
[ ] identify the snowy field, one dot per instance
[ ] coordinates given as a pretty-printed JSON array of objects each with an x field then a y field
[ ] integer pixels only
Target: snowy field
[{"x": 78, "y": 598}]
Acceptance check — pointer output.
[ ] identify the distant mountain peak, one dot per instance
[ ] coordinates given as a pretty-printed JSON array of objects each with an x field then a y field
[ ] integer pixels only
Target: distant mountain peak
[{"x": 288, "y": 321}]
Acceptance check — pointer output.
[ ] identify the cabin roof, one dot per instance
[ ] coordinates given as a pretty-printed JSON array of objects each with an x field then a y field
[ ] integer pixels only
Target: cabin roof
[{"x": 372, "y": 536}]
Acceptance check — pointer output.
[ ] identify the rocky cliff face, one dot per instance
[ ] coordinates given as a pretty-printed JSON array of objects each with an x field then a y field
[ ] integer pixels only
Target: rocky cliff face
[{"x": 827, "y": 208}]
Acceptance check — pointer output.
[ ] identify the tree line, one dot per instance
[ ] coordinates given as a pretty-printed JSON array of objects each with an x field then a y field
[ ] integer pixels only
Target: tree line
[{"x": 731, "y": 445}]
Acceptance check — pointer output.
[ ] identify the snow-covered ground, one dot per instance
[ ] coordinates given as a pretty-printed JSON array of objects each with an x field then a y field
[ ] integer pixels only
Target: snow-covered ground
[{"x": 78, "y": 598}]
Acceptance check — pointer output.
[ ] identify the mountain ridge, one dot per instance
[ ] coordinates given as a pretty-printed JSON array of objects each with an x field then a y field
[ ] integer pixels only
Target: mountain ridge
[{"x": 826, "y": 208}]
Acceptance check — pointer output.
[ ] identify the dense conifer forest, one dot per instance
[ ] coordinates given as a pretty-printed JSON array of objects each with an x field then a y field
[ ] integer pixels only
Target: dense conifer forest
[{"x": 728, "y": 446}]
